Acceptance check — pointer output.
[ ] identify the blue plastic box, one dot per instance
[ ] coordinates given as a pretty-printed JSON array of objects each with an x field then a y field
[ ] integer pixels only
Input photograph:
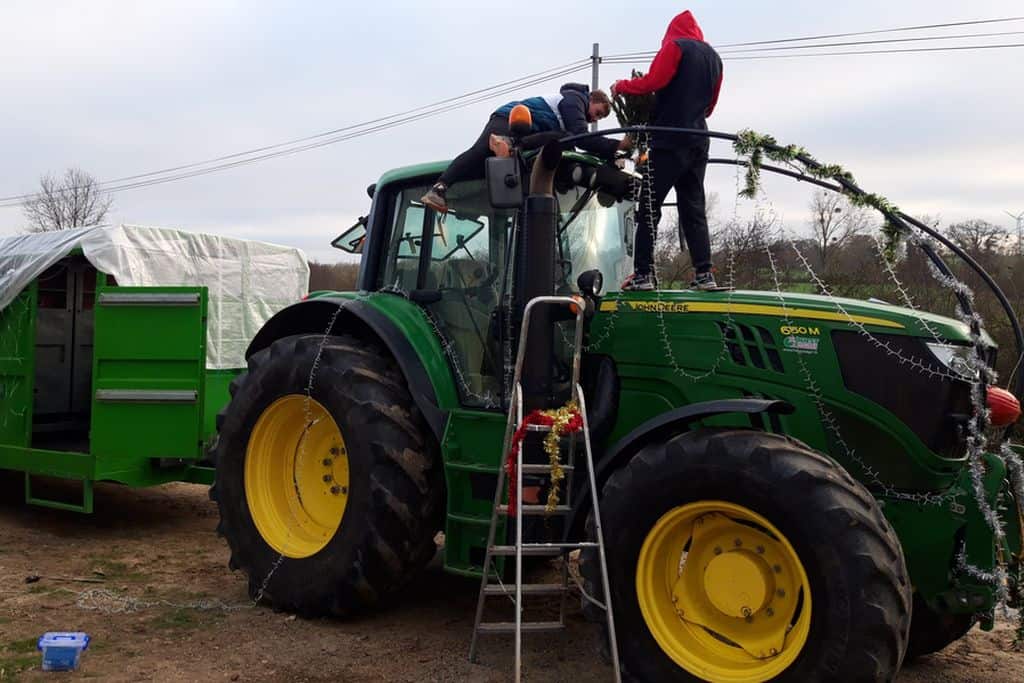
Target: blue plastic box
[{"x": 61, "y": 650}]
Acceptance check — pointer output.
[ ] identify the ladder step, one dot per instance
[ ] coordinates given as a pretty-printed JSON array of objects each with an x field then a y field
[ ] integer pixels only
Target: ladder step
[
  {"x": 510, "y": 550},
  {"x": 526, "y": 627},
  {"x": 544, "y": 469},
  {"x": 528, "y": 589},
  {"x": 541, "y": 549},
  {"x": 529, "y": 510}
]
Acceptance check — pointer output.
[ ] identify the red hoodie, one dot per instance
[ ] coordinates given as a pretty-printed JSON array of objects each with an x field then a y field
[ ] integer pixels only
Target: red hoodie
[{"x": 663, "y": 68}]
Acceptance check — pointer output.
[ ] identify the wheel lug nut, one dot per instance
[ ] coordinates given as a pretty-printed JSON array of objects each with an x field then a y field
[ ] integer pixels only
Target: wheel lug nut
[
  {"x": 760, "y": 550},
  {"x": 344, "y": 489},
  {"x": 328, "y": 478},
  {"x": 718, "y": 551},
  {"x": 335, "y": 490},
  {"x": 334, "y": 450},
  {"x": 770, "y": 612},
  {"x": 777, "y": 569},
  {"x": 781, "y": 593},
  {"x": 746, "y": 611},
  {"x": 737, "y": 543},
  {"x": 328, "y": 462}
]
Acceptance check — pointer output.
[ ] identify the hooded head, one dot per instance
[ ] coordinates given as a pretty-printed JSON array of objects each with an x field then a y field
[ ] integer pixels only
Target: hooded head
[{"x": 684, "y": 26}]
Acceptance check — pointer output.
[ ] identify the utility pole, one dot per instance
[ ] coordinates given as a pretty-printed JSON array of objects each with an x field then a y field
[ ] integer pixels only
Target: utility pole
[
  {"x": 595, "y": 80},
  {"x": 1020, "y": 231}
]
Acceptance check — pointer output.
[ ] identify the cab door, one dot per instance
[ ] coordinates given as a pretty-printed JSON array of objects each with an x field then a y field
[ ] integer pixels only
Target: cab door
[{"x": 149, "y": 368}]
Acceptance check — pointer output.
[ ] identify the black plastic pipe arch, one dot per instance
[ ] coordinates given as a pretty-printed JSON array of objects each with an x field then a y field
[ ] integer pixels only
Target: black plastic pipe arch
[{"x": 842, "y": 185}]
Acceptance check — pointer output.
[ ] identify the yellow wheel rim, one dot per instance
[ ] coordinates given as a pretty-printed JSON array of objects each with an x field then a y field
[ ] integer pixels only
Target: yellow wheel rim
[
  {"x": 296, "y": 476},
  {"x": 723, "y": 592}
]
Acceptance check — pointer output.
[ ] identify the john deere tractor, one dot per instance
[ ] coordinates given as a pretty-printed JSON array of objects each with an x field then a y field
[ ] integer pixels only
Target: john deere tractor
[{"x": 786, "y": 487}]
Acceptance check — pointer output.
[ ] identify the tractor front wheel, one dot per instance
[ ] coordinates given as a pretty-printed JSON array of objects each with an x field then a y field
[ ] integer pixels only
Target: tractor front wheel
[
  {"x": 328, "y": 480},
  {"x": 740, "y": 556}
]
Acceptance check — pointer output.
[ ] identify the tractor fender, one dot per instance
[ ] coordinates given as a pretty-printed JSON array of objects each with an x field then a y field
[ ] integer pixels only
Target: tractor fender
[
  {"x": 357, "y": 317},
  {"x": 661, "y": 428}
]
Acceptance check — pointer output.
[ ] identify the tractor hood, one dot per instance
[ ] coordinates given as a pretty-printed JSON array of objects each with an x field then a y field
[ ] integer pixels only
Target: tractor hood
[{"x": 800, "y": 309}]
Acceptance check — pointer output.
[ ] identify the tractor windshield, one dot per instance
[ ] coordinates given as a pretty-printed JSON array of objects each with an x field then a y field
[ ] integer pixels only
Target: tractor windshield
[{"x": 596, "y": 232}]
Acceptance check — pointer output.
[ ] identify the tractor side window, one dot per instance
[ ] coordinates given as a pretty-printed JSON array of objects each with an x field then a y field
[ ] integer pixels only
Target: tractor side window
[
  {"x": 468, "y": 250},
  {"x": 406, "y": 243}
]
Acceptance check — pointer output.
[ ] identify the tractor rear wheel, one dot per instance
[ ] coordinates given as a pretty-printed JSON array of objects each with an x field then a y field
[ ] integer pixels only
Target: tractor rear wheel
[
  {"x": 743, "y": 556},
  {"x": 328, "y": 481}
]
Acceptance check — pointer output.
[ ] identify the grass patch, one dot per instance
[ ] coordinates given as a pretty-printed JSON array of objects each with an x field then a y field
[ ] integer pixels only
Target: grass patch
[
  {"x": 175, "y": 620},
  {"x": 12, "y": 667},
  {"x": 115, "y": 570},
  {"x": 21, "y": 646}
]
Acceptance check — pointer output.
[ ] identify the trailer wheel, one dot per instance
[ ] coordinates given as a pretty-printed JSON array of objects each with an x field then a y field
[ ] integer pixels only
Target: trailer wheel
[
  {"x": 742, "y": 556},
  {"x": 328, "y": 481}
]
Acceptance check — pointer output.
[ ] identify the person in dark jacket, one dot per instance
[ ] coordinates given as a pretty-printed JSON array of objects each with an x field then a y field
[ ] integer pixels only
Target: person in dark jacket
[
  {"x": 569, "y": 111},
  {"x": 686, "y": 77}
]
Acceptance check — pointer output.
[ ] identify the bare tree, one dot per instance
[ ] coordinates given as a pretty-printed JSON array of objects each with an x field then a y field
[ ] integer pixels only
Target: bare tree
[
  {"x": 74, "y": 200},
  {"x": 976, "y": 236},
  {"x": 833, "y": 222}
]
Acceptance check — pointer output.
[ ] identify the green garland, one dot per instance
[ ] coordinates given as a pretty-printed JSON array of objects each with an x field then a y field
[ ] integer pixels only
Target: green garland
[
  {"x": 756, "y": 147},
  {"x": 633, "y": 110}
]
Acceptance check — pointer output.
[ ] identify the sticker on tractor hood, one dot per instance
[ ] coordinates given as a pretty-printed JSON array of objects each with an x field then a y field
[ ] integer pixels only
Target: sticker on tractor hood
[
  {"x": 800, "y": 344},
  {"x": 751, "y": 309}
]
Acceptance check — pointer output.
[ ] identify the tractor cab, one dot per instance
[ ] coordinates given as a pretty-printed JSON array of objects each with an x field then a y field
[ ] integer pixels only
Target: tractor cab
[{"x": 456, "y": 265}]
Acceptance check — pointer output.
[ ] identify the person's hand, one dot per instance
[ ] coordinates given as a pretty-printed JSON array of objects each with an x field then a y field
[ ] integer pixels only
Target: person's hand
[{"x": 626, "y": 144}]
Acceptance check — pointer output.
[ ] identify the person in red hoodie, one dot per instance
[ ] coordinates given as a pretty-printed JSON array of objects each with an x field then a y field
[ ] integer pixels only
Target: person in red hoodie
[{"x": 686, "y": 77}]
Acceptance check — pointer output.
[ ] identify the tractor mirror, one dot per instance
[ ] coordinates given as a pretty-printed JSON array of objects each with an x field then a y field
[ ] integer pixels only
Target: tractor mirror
[
  {"x": 590, "y": 283},
  {"x": 504, "y": 182}
]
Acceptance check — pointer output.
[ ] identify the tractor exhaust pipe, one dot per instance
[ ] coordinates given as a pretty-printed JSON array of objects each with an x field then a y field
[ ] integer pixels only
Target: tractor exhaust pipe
[{"x": 535, "y": 276}]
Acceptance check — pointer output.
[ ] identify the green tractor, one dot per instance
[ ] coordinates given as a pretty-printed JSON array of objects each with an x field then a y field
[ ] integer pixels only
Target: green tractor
[{"x": 786, "y": 484}]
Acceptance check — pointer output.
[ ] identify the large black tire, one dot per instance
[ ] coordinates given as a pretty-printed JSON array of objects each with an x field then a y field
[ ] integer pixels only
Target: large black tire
[
  {"x": 931, "y": 631},
  {"x": 396, "y": 489},
  {"x": 853, "y": 560}
]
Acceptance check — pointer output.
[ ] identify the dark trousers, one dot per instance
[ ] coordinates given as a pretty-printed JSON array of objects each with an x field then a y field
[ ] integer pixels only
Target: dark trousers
[
  {"x": 683, "y": 170},
  {"x": 470, "y": 164}
]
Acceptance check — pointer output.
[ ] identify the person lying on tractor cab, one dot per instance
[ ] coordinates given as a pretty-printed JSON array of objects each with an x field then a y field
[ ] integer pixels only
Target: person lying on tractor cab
[{"x": 569, "y": 111}]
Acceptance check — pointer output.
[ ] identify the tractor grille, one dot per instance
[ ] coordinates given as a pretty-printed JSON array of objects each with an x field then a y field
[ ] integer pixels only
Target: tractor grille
[
  {"x": 933, "y": 408},
  {"x": 751, "y": 345}
]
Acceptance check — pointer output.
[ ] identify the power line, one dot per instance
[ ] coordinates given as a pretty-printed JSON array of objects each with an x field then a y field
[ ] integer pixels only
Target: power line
[
  {"x": 848, "y": 52},
  {"x": 379, "y": 124},
  {"x": 481, "y": 94},
  {"x": 363, "y": 129},
  {"x": 921, "y": 27},
  {"x": 854, "y": 43}
]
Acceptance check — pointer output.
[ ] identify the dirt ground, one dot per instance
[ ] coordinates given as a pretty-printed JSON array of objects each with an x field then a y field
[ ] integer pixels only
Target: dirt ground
[{"x": 159, "y": 563}]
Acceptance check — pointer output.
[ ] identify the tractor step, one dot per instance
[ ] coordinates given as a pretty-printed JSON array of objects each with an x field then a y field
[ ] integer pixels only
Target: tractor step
[
  {"x": 528, "y": 589},
  {"x": 533, "y": 510},
  {"x": 525, "y": 627}
]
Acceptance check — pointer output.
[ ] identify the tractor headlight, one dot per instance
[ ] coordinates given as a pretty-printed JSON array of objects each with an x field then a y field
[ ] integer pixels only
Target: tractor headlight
[{"x": 958, "y": 359}]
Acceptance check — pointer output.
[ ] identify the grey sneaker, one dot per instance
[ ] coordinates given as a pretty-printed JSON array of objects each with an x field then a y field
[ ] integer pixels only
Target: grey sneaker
[
  {"x": 638, "y": 282},
  {"x": 704, "y": 282},
  {"x": 435, "y": 198}
]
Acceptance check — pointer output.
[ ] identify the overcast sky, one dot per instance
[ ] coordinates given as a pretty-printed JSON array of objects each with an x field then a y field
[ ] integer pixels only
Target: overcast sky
[{"x": 119, "y": 87}]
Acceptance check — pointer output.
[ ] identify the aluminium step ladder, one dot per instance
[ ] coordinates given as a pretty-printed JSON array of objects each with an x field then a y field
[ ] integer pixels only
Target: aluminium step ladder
[{"x": 491, "y": 584}]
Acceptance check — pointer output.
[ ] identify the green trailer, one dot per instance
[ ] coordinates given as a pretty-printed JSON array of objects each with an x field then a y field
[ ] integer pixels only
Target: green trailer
[{"x": 117, "y": 346}]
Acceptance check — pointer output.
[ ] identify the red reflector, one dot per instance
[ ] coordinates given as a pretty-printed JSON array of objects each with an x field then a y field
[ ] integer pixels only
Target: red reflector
[{"x": 1004, "y": 407}]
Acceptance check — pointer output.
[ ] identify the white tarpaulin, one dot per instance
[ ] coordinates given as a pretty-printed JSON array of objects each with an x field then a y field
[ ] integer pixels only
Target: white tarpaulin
[{"x": 247, "y": 281}]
